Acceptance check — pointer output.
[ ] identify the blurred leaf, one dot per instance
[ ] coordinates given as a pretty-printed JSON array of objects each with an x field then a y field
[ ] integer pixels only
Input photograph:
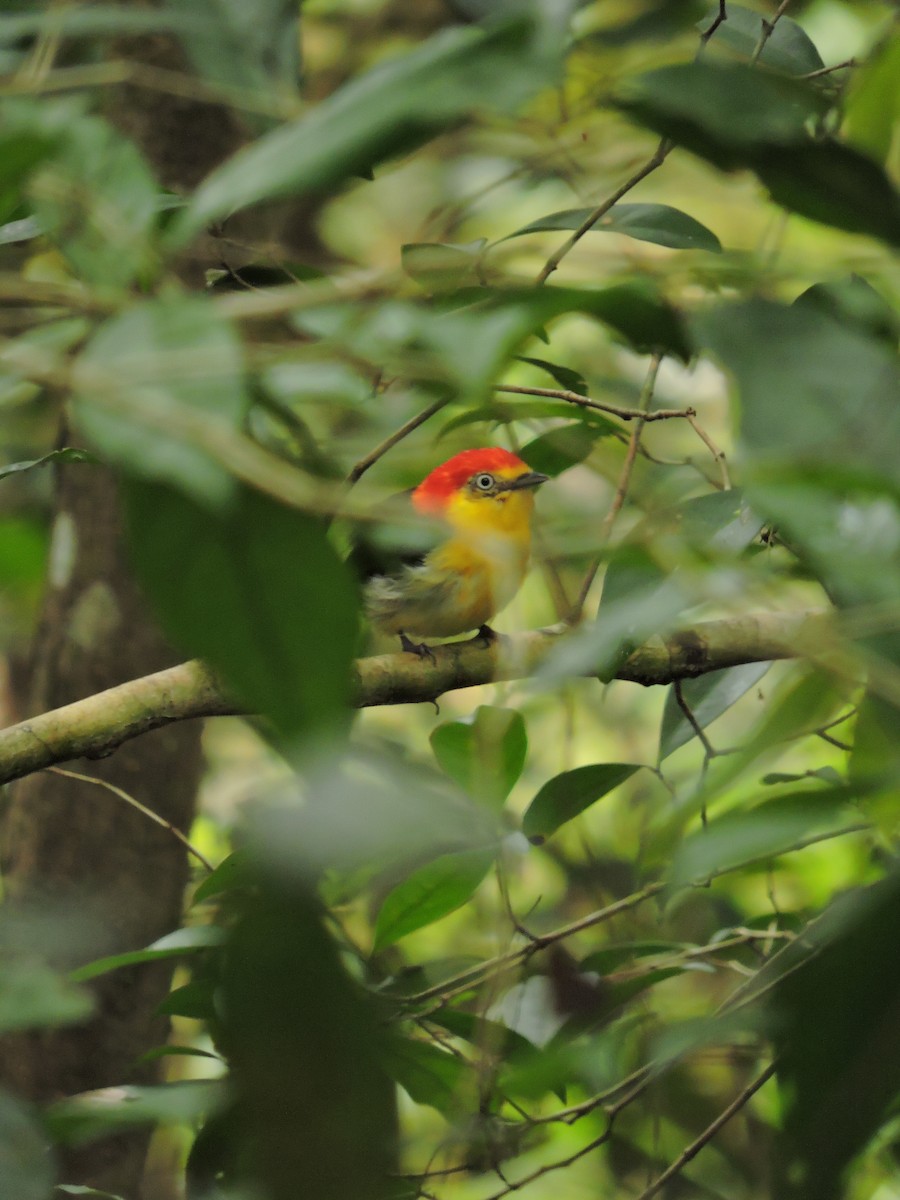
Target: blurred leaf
[
  {"x": 96, "y": 199},
  {"x": 853, "y": 301},
  {"x": 502, "y": 412},
  {"x": 195, "y": 1000},
  {"x": 873, "y": 101},
  {"x": 788, "y": 47},
  {"x": 719, "y": 523},
  {"x": 253, "y": 45},
  {"x": 437, "y": 266},
  {"x": 438, "y": 888},
  {"x": 231, "y": 872},
  {"x": 258, "y": 592},
  {"x": 391, "y": 110},
  {"x": 724, "y": 113},
  {"x": 27, "y": 1169},
  {"x": 658, "y": 223},
  {"x": 99, "y": 20},
  {"x": 844, "y": 387},
  {"x": 149, "y": 372},
  {"x": 490, "y": 1037},
  {"x": 32, "y": 995},
  {"x": 563, "y": 447},
  {"x": 79, "y": 1189},
  {"x": 173, "y": 945},
  {"x": 569, "y": 794},
  {"x": 484, "y": 753},
  {"x": 736, "y": 117},
  {"x": 765, "y": 831},
  {"x": 430, "y": 1076},
  {"x": 67, "y": 454},
  {"x": 707, "y": 697},
  {"x": 844, "y": 998},
  {"x": 568, "y": 379},
  {"x": 306, "y": 1048},
  {"x": 91, "y": 1115}
]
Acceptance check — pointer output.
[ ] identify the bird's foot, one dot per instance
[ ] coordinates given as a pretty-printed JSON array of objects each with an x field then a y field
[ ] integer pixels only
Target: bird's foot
[
  {"x": 419, "y": 649},
  {"x": 486, "y": 636}
]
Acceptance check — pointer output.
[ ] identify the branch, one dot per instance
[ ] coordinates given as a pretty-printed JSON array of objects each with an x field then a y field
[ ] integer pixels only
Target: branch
[{"x": 95, "y": 726}]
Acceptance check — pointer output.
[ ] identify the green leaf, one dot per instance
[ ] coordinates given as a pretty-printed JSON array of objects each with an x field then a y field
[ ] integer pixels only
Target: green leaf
[
  {"x": 33, "y": 995},
  {"x": 569, "y": 794},
  {"x": 564, "y": 447},
  {"x": 658, "y": 223},
  {"x": 788, "y": 47},
  {"x": 430, "y": 893},
  {"x": 845, "y": 996},
  {"x": 79, "y": 1189},
  {"x": 737, "y": 117},
  {"x": 873, "y": 101},
  {"x": 97, "y": 200},
  {"x": 196, "y": 1000},
  {"x": 503, "y": 412},
  {"x": 723, "y": 113},
  {"x": 430, "y": 1076},
  {"x": 768, "y": 830},
  {"x": 67, "y": 454},
  {"x": 391, "y": 110},
  {"x": 844, "y": 389},
  {"x": 316, "y": 1103},
  {"x": 707, "y": 697},
  {"x": 183, "y": 941},
  {"x": 483, "y": 753},
  {"x": 99, "y": 20},
  {"x": 438, "y": 266},
  {"x": 230, "y": 873},
  {"x": 568, "y": 379},
  {"x": 97, "y": 1114},
  {"x": 155, "y": 384},
  {"x": 853, "y": 301},
  {"x": 27, "y": 1169},
  {"x": 258, "y": 592}
]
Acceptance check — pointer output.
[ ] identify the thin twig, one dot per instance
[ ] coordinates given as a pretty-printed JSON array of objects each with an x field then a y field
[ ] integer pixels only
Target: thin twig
[
  {"x": 615, "y": 410},
  {"x": 142, "y": 808},
  {"x": 717, "y": 454},
  {"x": 768, "y": 28},
  {"x": 841, "y": 66},
  {"x": 622, "y": 486},
  {"x": 360, "y": 468},
  {"x": 658, "y": 157},
  {"x": 721, "y": 16},
  {"x": 708, "y": 1133}
]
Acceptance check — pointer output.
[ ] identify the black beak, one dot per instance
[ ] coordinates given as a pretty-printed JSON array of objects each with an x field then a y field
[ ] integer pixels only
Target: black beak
[{"x": 532, "y": 479}]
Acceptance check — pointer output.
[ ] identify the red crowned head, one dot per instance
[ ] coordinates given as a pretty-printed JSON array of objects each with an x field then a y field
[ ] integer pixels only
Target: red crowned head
[{"x": 434, "y": 492}]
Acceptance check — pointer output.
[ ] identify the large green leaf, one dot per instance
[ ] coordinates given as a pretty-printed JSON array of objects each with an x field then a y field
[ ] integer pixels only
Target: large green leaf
[
  {"x": 174, "y": 945},
  {"x": 787, "y": 48},
  {"x": 737, "y": 117},
  {"x": 565, "y": 446},
  {"x": 391, "y": 110},
  {"x": 658, "y": 223},
  {"x": 306, "y": 1047},
  {"x": 569, "y": 794},
  {"x": 96, "y": 198},
  {"x": 152, "y": 381},
  {"x": 837, "y": 1031},
  {"x": 430, "y": 893},
  {"x": 483, "y": 753},
  {"x": 257, "y": 591},
  {"x": 873, "y": 100},
  {"x": 26, "y": 1167},
  {"x": 430, "y": 1076}
]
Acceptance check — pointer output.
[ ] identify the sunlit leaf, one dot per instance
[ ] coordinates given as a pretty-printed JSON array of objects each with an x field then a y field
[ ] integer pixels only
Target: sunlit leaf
[
  {"x": 173, "y": 945},
  {"x": 430, "y": 893},
  {"x": 485, "y": 753},
  {"x": 569, "y": 794}
]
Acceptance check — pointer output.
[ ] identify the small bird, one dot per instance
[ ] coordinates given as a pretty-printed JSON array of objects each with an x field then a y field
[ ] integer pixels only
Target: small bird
[{"x": 486, "y": 498}]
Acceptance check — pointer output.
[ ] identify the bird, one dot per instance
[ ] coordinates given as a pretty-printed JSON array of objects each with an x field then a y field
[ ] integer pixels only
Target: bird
[{"x": 485, "y": 498}]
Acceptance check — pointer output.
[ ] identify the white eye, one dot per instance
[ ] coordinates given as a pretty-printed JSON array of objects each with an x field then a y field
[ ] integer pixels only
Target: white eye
[{"x": 484, "y": 482}]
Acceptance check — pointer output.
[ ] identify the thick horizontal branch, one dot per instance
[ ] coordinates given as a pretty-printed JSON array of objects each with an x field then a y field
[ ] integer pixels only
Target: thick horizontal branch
[{"x": 95, "y": 726}]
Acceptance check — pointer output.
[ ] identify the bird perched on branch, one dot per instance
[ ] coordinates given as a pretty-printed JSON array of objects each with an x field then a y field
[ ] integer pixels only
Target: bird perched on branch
[{"x": 485, "y": 498}]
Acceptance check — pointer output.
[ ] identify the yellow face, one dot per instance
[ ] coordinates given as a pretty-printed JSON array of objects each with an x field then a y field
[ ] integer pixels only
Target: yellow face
[{"x": 492, "y": 502}]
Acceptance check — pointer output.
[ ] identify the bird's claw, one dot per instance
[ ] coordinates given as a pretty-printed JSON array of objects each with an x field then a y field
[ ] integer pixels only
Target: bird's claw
[{"x": 419, "y": 649}]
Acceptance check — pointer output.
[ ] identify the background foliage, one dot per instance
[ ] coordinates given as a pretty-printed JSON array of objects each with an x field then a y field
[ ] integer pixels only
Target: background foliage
[{"x": 558, "y": 933}]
